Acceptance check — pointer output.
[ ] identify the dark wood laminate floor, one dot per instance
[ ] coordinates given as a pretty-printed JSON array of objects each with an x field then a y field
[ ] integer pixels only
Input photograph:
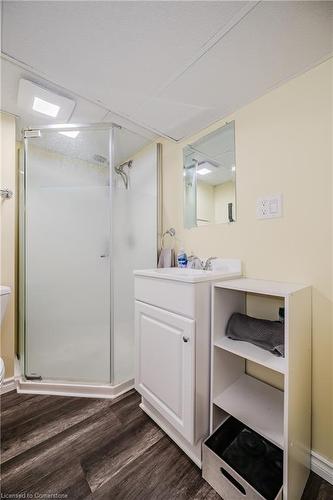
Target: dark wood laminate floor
[{"x": 80, "y": 448}]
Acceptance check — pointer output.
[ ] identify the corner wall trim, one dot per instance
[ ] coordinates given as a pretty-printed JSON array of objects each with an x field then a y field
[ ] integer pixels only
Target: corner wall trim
[
  {"x": 322, "y": 467},
  {"x": 8, "y": 385}
]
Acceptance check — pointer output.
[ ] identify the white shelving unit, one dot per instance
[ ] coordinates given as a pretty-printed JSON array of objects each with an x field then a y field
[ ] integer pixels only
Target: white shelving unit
[
  {"x": 256, "y": 404},
  {"x": 281, "y": 416},
  {"x": 252, "y": 353}
]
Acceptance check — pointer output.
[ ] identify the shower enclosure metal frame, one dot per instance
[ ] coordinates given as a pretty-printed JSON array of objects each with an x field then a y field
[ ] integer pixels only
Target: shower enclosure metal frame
[{"x": 29, "y": 133}]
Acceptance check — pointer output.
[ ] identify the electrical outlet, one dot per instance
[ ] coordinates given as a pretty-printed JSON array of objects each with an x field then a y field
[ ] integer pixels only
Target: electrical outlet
[{"x": 269, "y": 207}]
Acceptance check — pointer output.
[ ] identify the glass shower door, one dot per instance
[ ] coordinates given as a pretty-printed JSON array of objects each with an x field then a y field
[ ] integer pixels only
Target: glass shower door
[{"x": 67, "y": 261}]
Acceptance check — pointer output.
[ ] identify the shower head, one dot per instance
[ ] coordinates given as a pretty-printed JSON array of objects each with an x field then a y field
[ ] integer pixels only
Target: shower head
[
  {"x": 120, "y": 171},
  {"x": 125, "y": 164}
]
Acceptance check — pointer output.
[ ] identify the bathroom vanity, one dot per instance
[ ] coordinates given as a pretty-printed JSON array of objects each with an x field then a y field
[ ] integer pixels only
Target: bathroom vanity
[{"x": 172, "y": 330}]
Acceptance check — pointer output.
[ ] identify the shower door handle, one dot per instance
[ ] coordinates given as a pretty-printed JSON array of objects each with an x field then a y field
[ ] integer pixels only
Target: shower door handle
[{"x": 104, "y": 256}]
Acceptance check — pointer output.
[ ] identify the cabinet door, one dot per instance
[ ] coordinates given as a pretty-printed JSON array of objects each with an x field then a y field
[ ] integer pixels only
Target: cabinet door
[{"x": 165, "y": 365}]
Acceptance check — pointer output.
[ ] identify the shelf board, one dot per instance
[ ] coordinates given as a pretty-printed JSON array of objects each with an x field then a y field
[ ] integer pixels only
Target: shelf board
[
  {"x": 264, "y": 287},
  {"x": 257, "y": 405},
  {"x": 252, "y": 353}
]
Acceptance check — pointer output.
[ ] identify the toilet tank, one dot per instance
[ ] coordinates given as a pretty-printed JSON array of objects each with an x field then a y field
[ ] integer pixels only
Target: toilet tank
[{"x": 4, "y": 298}]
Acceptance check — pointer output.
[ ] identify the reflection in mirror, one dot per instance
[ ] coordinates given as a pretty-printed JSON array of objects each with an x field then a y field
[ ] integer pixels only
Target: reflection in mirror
[{"x": 210, "y": 178}]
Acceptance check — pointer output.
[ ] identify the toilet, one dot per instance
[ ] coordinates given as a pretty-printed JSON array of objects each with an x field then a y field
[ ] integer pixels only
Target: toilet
[{"x": 4, "y": 299}]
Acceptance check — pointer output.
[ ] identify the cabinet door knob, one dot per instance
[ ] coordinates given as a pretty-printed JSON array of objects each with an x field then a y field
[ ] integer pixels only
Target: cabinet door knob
[{"x": 186, "y": 339}]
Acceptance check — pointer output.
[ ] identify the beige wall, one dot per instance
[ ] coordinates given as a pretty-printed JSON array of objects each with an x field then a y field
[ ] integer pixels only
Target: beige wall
[
  {"x": 283, "y": 145},
  {"x": 205, "y": 203},
  {"x": 8, "y": 214},
  {"x": 223, "y": 194},
  {"x": 212, "y": 202}
]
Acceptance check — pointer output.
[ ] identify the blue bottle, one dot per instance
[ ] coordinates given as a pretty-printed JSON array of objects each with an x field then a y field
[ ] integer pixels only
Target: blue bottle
[{"x": 182, "y": 258}]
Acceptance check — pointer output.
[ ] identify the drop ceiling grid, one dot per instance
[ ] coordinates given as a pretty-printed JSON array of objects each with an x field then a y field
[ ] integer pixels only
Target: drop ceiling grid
[
  {"x": 123, "y": 67},
  {"x": 84, "y": 112},
  {"x": 240, "y": 11},
  {"x": 242, "y": 67},
  {"x": 250, "y": 57},
  {"x": 118, "y": 40}
]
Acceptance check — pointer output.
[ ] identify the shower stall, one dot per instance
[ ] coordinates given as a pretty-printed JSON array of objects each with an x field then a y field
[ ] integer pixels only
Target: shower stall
[{"x": 89, "y": 215}]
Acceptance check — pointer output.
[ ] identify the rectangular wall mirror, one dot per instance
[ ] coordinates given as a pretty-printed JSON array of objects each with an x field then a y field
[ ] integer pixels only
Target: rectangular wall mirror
[{"x": 210, "y": 178}]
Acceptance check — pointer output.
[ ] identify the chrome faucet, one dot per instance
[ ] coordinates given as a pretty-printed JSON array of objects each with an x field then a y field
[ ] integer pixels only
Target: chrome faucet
[
  {"x": 208, "y": 263},
  {"x": 194, "y": 262}
]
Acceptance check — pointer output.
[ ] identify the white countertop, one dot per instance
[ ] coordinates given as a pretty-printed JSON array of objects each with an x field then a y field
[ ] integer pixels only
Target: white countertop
[{"x": 231, "y": 269}]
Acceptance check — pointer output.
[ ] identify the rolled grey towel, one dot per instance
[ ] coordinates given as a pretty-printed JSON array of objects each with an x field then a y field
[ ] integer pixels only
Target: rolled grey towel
[{"x": 263, "y": 333}]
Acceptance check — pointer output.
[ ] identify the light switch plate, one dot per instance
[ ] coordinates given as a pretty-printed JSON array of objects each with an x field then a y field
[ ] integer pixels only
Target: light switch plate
[{"x": 269, "y": 207}]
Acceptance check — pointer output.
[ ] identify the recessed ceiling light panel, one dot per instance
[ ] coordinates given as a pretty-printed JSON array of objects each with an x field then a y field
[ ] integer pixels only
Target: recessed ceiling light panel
[
  {"x": 35, "y": 100},
  {"x": 207, "y": 164},
  {"x": 44, "y": 107},
  {"x": 203, "y": 171}
]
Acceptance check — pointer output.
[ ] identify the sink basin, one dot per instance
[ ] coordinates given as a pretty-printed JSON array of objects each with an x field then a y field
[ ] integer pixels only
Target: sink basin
[{"x": 228, "y": 268}]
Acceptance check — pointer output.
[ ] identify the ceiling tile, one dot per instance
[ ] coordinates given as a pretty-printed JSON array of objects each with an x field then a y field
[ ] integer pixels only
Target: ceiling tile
[
  {"x": 87, "y": 112},
  {"x": 167, "y": 115},
  {"x": 116, "y": 52},
  {"x": 138, "y": 59},
  {"x": 274, "y": 43},
  {"x": 130, "y": 125}
]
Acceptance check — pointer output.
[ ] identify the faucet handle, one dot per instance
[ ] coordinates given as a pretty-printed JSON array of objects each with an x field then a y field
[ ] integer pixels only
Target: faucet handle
[
  {"x": 208, "y": 264},
  {"x": 193, "y": 262}
]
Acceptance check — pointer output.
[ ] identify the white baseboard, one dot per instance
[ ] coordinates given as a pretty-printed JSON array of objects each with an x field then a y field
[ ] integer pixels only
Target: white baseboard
[
  {"x": 8, "y": 385},
  {"x": 53, "y": 388},
  {"x": 322, "y": 467}
]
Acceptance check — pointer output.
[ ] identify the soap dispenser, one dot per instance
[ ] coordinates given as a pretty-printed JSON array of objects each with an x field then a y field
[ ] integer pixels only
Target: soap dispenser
[{"x": 182, "y": 257}]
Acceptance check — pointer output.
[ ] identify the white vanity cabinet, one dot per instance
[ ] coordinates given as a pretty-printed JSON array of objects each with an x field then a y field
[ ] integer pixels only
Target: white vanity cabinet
[
  {"x": 172, "y": 354},
  {"x": 165, "y": 365}
]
